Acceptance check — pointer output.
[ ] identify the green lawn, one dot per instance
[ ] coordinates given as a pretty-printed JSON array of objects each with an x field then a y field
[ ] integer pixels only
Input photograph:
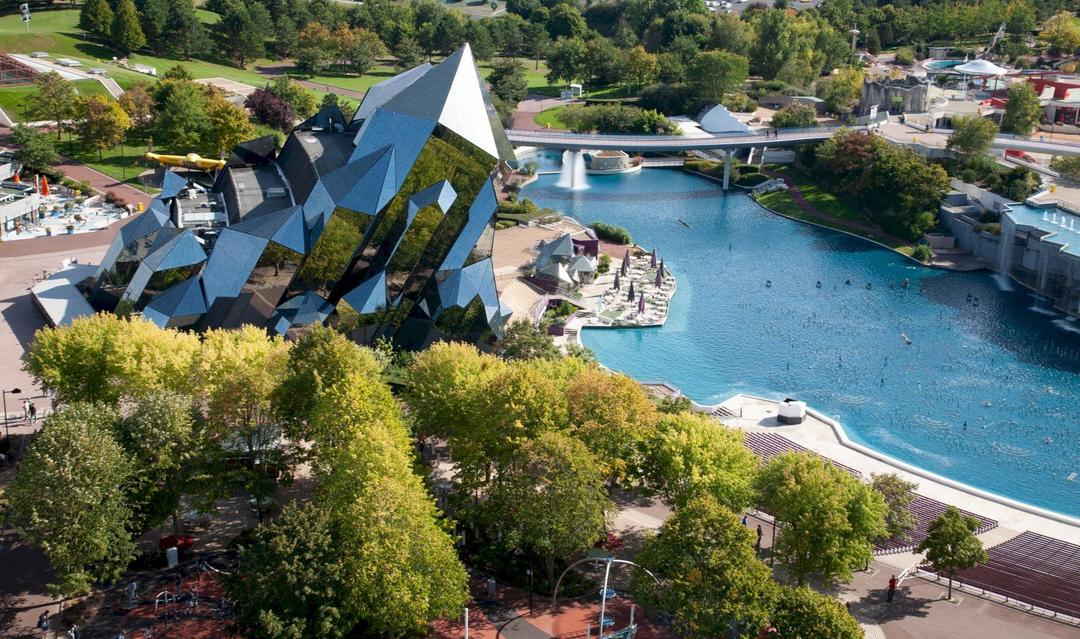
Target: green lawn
[
  {"x": 821, "y": 199},
  {"x": 15, "y": 99},
  {"x": 549, "y": 118},
  {"x": 123, "y": 163}
]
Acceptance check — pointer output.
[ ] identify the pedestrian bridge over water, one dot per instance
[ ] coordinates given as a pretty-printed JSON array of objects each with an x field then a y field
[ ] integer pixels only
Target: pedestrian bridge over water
[{"x": 785, "y": 137}]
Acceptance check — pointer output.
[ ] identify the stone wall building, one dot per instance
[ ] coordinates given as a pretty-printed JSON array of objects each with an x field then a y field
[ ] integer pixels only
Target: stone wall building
[{"x": 906, "y": 95}]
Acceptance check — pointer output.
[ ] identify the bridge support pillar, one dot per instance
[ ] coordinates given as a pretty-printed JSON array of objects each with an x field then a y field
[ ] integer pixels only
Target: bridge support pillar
[{"x": 727, "y": 168}]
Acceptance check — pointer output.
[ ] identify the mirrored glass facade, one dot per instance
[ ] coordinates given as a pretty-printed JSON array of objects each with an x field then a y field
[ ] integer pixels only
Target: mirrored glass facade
[{"x": 380, "y": 224}]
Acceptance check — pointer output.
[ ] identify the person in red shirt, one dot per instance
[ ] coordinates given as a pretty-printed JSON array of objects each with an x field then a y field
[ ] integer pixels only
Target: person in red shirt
[{"x": 892, "y": 589}]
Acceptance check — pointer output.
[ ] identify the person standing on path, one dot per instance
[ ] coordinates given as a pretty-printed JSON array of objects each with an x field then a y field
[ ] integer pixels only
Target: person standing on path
[
  {"x": 892, "y": 589},
  {"x": 760, "y": 533},
  {"x": 33, "y": 412}
]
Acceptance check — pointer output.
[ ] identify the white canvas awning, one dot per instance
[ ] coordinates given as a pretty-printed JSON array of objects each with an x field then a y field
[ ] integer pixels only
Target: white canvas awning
[{"x": 980, "y": 67}]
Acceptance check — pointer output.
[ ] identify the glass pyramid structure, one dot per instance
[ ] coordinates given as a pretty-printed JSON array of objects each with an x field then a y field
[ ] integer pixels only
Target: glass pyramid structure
[{"x": 380, "y": 224}]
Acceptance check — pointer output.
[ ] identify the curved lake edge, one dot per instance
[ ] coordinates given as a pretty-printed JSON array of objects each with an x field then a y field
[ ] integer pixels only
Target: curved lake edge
[
  {"x": 838, "y": 428},
  {"x": 749, "y": 192},
  {"x": 862, "y": 442}
]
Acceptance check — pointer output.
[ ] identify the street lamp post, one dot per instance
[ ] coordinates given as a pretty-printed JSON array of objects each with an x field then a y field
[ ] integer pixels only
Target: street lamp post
[
  {"x": 530, "y": 591},
  {"x": 4, "y": 393}
]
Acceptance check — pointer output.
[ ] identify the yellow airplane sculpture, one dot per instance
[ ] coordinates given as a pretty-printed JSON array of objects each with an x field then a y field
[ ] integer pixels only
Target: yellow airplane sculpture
[{"x": 189, "y": 161}]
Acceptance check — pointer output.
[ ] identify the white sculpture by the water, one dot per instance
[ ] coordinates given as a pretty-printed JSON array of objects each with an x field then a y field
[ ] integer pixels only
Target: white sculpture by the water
[{"x": 572, "y": 175}]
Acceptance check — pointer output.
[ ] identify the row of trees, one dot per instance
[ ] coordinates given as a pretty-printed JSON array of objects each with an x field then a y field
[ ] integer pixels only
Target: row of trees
[
  {"x": 153, "y": 418},
  {"x": 894, "y": 185},
  {"x": 617, "y": 118},
  {"x": 185, "y": 115}
]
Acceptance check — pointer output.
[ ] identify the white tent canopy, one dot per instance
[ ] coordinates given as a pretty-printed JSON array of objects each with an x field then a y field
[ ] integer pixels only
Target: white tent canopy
[{"x": 980, "y": 67}]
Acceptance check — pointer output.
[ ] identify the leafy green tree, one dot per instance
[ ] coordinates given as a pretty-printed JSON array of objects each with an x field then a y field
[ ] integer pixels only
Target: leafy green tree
[
  {"x": 162, "y": 437},
  {"x": 640, "y": 68},
  {"x": 408, "y": 53},
  {"x": 321, "y": 358},
  {"x": 1020, "y": 17},
  {"x": 903, "y": 191},
  {"x": 566, "y": 21},
  {"x": 294, "y": 583},
  {"x": 775, "y": 42},
  {"x": 716, "y": 73},
  {"x": 300, "y": 100},
  {"x": 730, "y": 33},
  {"x": 236, "y": 374},
  {"x": 898, "y": 494},
  {"x": 242, "y": 31},
  {"x": 137, "y": 102},
  {"x": 567, "y": 61},
  {"x": 802, "y": 612},
  {"x": 364, "y": 51},
  {"x": 795, "y": 116},
  {"x": 951, "y": 544},
  {"x": 96, "y": 18},
  {"x": 1022, "y": 111},
  {"x": 403, "y": 570},
  {"x": 971, "y": 136},
  {"x": 315, "y": 48},
  {"x": 1067, "y": 166},
  {"x": 521, "y": 340},
  {"x": 186, "y": 33},
  {"x": 691, "y": 455},
  {"x": 612, "y": 415},
  {"x": 68, "y": 498},
  {"x": 552, "y": 500},
  {"x": 1061, "y": 33},
  {"x": 101, "y": 358},
  {"x": 153, "y": 18},
  {"x": 535, "y": 41},
  {"x": 56, "y": 100},
  {"x": 828, "y": 520},
  {"x": 508, "y": 81},
  {"x": 181, "y": 114},
  {"x": 711, "y": 582},
  {"x": 34, "y": 148},
  {"x": 445, "y": 385},
  {"x": 841, "y": 90},
  {"x": 100, "y": 124},
  {"x": 127, "y": 34},
  {"x": 226, "y": 126}
]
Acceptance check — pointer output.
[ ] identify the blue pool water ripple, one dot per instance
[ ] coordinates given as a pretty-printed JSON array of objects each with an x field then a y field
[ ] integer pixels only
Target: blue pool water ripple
[{"x": 987, "y": 393}]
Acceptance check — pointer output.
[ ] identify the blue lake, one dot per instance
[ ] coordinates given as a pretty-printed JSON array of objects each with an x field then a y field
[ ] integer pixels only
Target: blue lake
[{"x": 987, "y": 393}]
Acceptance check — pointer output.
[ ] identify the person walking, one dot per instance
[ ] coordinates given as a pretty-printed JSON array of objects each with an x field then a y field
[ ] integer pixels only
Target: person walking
[
  {"x": 744, "y": 520},
  {"x": 892, "y": 589},
  {"x": 26, "y": 410},
  {"x": 760, "y": 533},
  {"x": 33, "y": 412}
]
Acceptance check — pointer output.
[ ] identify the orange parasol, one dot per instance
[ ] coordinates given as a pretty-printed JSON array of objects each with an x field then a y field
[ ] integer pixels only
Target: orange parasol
[{"x": 44, "y": 185}]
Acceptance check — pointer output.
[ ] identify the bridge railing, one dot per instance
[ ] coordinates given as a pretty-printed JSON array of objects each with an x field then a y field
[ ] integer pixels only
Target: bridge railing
[{"x": 756, "y": 135}]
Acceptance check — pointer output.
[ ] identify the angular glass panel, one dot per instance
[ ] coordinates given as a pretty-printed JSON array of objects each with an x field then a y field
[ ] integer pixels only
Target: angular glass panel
[
  {"x": 468, "y": 324},
  {"x": 328, "y": 259},
  {"x": 410, "y": 249},
  {"x": 271, "y": 276},
  {"x": 162, "y": 280}
]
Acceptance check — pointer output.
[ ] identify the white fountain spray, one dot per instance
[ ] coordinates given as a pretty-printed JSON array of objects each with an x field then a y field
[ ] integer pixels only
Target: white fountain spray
[{"x": 572, "y": 175}]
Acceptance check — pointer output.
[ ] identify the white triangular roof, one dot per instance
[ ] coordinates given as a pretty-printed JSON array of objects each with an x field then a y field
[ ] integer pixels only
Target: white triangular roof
[{"x": 719, "y": 120}]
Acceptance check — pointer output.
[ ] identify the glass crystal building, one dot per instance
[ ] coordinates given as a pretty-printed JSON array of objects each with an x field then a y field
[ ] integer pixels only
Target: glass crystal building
[{"x": 381, "y": 224}]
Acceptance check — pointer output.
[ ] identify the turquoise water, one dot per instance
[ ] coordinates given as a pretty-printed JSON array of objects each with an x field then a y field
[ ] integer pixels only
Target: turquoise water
[
  {"x": 986, "y": 394},
  {"x": 942, "y": 65}
]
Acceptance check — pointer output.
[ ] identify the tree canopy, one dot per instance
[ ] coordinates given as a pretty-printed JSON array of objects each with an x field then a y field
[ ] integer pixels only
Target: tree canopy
[
  {"x": 951, "y": 544},
  {"x": 828, "y": 520}
]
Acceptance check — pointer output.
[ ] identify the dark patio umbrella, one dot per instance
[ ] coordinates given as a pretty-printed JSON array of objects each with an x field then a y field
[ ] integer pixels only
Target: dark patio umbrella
[
  {"x": 616, "y": 280},
  {"x": 641, "y": 303},
  {"x": 661, "y": 267},
  {"x": 652, "y": 260},
  {"x": 630, "y": 296},
  {"x": 626, "y": 258},
  {"x": 659, "y": 279}
]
